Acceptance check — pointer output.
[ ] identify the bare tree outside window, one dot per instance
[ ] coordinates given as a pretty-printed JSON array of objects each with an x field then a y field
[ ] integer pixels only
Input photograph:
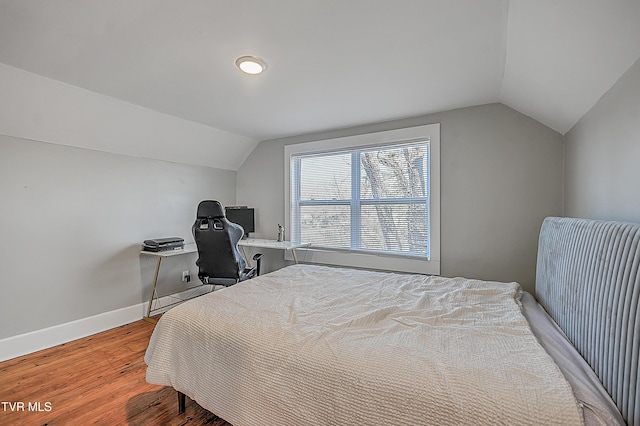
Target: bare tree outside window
[
  {"x": 396, "y": 173},
  {"x": 367, "y": 199}
]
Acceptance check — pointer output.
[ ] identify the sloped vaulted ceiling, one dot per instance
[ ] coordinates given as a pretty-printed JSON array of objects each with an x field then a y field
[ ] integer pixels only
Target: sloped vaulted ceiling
[{"x": 332, "y": 63}]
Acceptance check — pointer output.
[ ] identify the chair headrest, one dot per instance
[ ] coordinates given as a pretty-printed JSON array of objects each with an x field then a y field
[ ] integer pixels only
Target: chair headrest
[{"x": 210, "y": 208}]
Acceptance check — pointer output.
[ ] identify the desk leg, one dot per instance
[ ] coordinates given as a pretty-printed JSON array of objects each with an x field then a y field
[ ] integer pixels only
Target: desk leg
[
  {"x": 153, "y": 291},
  {"x": 295, "y": 258},
  {"x": 246, "y": 258}
]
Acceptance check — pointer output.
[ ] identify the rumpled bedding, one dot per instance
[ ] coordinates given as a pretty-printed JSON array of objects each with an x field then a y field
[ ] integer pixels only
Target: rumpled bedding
[{"x": 316, "y": 345}]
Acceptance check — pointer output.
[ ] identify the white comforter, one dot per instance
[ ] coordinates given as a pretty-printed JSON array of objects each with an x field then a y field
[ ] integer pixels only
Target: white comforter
[{"x": 313, "y": 345}]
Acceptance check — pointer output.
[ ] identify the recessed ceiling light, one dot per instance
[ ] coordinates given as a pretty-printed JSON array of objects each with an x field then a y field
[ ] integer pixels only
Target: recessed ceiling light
[{"x": 251, "y": 64}]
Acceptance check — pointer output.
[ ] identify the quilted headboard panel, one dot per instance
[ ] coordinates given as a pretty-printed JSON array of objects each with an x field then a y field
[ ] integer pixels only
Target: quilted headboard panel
[{"x": 588, "y": 280}]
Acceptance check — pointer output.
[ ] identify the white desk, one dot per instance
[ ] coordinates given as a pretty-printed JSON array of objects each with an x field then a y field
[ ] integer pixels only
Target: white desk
[
  {"x": 188, "y": 248},
  {"x": 192, "y": 248},
  {"x": 272, "y": 244}
]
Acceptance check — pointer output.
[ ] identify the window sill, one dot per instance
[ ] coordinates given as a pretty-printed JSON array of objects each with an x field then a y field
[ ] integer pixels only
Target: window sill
[{"x": 368, "y": 261}]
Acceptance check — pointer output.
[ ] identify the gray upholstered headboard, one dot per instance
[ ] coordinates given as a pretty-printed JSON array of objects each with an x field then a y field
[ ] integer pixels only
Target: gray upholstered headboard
[{"x": 588, "y": 280}]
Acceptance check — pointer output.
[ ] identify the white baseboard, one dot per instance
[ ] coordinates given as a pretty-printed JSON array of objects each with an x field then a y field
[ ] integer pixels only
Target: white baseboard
[
  {"x": 15, "y": 346},
  {"x": 22, "y": 344},
  {"x": 167, "y": 302}
]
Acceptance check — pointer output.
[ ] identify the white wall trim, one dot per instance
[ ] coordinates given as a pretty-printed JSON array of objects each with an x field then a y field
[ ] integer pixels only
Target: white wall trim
[
  {"x": 366, "y": 261},
  {"x": 167, "y": 302},
  {"x": 33, "y": 341},
  {"x": 376, "y": 261},
  {"x": 15, "y": 346}
]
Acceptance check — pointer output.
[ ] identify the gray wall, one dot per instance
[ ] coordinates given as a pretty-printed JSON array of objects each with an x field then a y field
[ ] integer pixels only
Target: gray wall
[
  {"x": 602, "y": 172},
  {"x": 72, "y": 223},
  {"x": 501, "y": 175}
]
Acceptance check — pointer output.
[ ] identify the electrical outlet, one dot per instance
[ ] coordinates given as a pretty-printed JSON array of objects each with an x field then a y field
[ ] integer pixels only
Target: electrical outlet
[{"x": 186, "y": 277}]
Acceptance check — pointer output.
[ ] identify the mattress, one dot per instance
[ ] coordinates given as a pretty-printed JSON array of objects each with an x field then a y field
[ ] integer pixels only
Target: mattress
[
  {"x": 597, "y": 406},
  {"x": 309, "y": 345}
]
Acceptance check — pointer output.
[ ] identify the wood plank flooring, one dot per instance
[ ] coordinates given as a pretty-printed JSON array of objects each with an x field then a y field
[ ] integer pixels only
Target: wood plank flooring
[{"x": 97, "y": 380}]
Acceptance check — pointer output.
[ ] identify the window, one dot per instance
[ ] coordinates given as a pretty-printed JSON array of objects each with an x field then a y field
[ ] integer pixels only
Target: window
[
  {"x": 369, "y": 200},
  {"x": 363, "y": 199}
]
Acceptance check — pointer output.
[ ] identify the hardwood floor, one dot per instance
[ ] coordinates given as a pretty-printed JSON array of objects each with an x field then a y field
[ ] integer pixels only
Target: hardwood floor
[{"x": 97, "y": 380}]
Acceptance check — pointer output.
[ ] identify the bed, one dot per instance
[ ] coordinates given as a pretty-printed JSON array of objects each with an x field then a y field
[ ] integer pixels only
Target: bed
[{"x": 311, "y": 345}]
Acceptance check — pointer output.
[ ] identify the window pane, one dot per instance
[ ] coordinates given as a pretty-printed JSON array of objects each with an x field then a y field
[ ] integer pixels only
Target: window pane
[
  {"x": 386, "y": 187},
  {"x": 325, "y": 177},
  {"x": 395, "y": 228},
  {"x": 327, "y": 226},
  {"x": 397, "y": 172}
]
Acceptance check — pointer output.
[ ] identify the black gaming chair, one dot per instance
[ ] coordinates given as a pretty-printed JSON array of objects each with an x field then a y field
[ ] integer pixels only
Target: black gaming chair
[{"x": 220, "y": 261}]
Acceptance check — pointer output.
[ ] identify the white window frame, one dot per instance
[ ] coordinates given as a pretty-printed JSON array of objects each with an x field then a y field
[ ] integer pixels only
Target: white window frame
[{"x": 392, "y": 262}]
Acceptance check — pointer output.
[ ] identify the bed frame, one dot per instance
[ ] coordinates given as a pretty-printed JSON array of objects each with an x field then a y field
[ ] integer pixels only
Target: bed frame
[{"x": 588, "y": 280}]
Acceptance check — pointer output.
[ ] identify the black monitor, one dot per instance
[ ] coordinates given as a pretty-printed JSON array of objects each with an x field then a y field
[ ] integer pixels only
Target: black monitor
[{"x": 243, "y": 216}]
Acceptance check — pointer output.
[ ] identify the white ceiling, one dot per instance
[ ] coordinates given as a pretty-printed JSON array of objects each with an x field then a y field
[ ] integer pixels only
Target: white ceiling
[{"x": 332, "y": 63}]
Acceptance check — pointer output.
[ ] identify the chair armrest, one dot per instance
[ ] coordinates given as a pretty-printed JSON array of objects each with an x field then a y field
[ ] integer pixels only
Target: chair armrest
[{"x": 257, "y": 258}]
